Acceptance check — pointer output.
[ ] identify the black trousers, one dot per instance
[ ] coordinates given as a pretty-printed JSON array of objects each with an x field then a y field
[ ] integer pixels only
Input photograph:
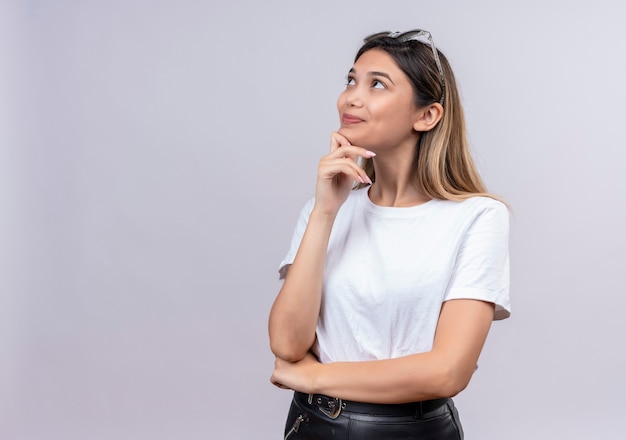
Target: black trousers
[{"x": 318, "y": 417}]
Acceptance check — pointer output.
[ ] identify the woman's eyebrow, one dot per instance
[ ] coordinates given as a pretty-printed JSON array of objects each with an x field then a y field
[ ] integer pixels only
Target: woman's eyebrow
[
  {"x": 376, "y": 73},
  {"x": 383, "y": 74}
]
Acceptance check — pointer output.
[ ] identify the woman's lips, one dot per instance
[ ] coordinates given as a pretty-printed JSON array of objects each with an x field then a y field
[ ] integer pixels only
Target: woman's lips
[{"x": 350, "y": 119}]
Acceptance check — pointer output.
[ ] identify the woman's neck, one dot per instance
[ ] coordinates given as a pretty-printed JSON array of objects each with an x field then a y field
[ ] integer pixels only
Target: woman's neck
[
  {"x": 399, "y": 196},
  {"x": 395, "y": 184}
]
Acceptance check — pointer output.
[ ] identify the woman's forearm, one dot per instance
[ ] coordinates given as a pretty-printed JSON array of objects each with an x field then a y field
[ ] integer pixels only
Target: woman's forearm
[
  {"x": 293, "y": 318},
  {"x": 442, "y": 372},
  {"x": 408, "y": 379}
]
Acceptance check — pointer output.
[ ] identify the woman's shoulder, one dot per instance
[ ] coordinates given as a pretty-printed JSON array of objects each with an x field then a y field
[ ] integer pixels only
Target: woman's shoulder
[
  {"x": 484, "y": 201},
  {"x": 479, "y": 208},
  {"x": 477, "y": 202}
]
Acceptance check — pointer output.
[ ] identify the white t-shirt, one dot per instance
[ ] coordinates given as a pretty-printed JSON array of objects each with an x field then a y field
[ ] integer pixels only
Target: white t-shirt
[{"x": 388, "y": 271}]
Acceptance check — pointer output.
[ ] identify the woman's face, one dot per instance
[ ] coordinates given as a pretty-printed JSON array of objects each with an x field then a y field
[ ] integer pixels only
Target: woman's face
[{"x": 376, "y": 110}]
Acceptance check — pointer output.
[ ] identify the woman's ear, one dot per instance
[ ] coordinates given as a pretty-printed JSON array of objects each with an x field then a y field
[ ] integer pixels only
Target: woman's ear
[{"x": 428, "y": 117}]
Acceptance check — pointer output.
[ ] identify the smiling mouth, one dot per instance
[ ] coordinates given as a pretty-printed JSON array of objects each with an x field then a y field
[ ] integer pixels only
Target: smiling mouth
[{"x": 350, "y": 119}]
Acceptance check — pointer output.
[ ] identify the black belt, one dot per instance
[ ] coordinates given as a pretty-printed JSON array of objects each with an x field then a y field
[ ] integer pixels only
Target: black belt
[{"x": 332, "y": 406}]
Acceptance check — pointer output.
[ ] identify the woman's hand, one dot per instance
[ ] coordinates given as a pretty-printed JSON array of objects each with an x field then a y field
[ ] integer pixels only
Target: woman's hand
[
  {"x": 298, "y": 376},
  {"x": 336, "y": 173}
]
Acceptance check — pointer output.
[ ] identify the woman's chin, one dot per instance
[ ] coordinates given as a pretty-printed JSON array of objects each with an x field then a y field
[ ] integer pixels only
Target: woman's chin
[
  {"x": 345, "y": 133},
  {"x": 351, "y": 136}
]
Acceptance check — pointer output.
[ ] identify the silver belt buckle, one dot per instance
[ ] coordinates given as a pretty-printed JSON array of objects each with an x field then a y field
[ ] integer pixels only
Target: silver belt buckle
[{"x": 334, "y": 410}]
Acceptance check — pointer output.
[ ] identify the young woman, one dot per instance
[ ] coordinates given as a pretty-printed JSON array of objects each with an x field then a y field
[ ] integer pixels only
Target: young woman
[{"x": 398, "y": 265}]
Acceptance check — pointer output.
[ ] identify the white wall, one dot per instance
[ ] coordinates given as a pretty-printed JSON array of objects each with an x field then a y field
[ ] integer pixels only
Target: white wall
[{"x": 154, "y": 156}]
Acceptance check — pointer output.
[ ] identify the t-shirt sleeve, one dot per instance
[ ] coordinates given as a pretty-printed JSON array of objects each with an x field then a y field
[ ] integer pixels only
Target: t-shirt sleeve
[
  {"x": 298, "y": 233},
  {"x": 482, "y": 265}
]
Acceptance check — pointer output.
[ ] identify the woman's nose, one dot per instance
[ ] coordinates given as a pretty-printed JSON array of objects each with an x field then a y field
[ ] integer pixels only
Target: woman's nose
[{"x": 354, "y": 98}]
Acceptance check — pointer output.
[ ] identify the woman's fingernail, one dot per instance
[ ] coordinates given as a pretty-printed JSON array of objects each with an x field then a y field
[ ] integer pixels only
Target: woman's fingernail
[
  {"x": 361, "y": 179},
  {"x": 369, "y": 180},
  {"x": 370, "y": 153}
]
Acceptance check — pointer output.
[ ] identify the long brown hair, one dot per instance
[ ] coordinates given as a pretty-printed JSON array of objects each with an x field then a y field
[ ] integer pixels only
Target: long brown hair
[{"x": 443, "y": 165}]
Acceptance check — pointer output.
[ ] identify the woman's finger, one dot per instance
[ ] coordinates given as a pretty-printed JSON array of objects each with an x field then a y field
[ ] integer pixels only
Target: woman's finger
[
  {"x": 352, "y": 152},
  {"x": 279, "y": 385},
  {"x": 337, "y": 140},
  {"x": 331, "y": 167},
  {"x": 348, "y": 156}
]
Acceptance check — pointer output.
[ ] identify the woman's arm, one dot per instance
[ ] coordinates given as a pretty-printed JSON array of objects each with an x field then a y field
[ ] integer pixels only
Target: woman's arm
[
  {"x": 443, "y": 372},
  {"x": 293, "y": 317}
]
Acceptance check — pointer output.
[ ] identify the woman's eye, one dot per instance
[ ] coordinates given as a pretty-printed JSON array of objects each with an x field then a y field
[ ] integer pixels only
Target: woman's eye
[
  {"x": 350, "y": 81},
  {"x": 377, "y": 84}
]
